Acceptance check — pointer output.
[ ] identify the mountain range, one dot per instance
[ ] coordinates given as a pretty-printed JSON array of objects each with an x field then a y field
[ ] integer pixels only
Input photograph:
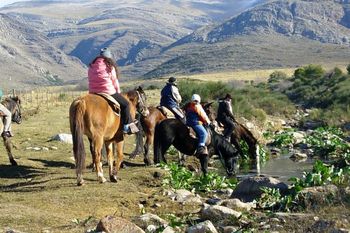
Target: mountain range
[{"x": 157, "y": 38}]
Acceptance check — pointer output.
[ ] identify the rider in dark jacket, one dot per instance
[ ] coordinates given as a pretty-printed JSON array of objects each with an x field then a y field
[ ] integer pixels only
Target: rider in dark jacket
[
  {"x": 171, "y": 98},
  {"x": 225, "y": 116}
]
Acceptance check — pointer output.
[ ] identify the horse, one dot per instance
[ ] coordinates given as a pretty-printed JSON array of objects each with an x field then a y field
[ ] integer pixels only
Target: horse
[
  {"x": 91, "y": 115},
  {"x": 148, "y": 124},
  {"x": 13, "y": 104},
  {"x": 241, "y": 132},
  {"x": 173, "y": 132}
]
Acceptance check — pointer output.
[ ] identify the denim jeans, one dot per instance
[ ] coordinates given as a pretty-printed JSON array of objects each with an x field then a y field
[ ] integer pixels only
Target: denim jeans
[{"x": 202, "y": 134}]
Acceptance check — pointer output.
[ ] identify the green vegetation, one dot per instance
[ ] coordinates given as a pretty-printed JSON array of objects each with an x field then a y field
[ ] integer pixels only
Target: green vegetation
[
  {"x": 251, "y": 102},
  {"x": 181, "y": 178},
  {"x": 313, "y": 87},
  {"x": 329, "y": 142}
]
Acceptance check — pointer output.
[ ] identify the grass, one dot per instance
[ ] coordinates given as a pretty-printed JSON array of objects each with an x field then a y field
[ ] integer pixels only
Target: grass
[{"x": 41, "y": 193}]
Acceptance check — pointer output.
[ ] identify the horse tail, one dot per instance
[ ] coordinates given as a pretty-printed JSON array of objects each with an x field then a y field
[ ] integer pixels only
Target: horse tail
[
  {"x": 76, "y": 116},
  {"x": 157, "y": 145}
]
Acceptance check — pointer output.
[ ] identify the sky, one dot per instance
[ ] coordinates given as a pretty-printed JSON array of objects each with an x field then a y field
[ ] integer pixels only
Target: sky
[{"x": 6, "y": 2}]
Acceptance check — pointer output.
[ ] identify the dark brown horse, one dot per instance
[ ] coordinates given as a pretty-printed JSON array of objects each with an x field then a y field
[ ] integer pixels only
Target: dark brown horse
[
  {"x": 241, "y": 133},
  {"x": 148, "y": 124},
  {"x": 13, "y": 104},
  {"x": 92, "y": 115}
]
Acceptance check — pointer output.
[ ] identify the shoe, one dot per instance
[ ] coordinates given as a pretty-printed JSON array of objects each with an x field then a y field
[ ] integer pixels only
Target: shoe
[
  {"x": 7, "y": 134},
  {"x": 202, "y": 150},
  {"x": 130, "y": 128}
]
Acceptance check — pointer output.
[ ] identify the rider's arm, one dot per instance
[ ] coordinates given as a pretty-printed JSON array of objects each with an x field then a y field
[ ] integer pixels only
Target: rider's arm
[
  {"x": 115, "y": 80},
  {"x": 202, "y": 115},
  {"x": 176, "y": 94}
]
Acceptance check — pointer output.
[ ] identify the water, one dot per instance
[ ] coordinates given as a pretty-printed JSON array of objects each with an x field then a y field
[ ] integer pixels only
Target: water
[{"x": 281, "y": 168}]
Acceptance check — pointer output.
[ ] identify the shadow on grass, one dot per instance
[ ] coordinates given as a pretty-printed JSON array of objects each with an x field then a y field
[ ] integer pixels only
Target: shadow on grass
[
  {"x": 48, "y": 163},
  {"x": 16, "y": 172}
]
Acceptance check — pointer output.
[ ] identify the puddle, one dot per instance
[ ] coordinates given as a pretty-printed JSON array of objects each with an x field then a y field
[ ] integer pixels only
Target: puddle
[{"x": 282, "y": 168}]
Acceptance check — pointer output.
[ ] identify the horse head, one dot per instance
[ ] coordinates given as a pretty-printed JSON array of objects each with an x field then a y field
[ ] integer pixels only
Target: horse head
[
  {"x": 13, "y": 104},
  {"x": 227, "y": 152},
  {"x": 141, "y": 102}
]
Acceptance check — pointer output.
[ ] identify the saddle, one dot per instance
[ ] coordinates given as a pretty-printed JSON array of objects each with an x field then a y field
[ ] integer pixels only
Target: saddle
[
  {"x": 166, "y": 112},
  {"x": 112, "y": 102}
]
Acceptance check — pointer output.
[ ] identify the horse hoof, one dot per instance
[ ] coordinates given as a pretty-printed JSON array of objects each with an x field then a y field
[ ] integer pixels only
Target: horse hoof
[
  {"x": 13, "y": 162},
  {"x": 147, "y": 162},
  {"x": 102, "y": 180},
  {"x": 81, "y": 183},
  {"x": 113, "y": 178}
]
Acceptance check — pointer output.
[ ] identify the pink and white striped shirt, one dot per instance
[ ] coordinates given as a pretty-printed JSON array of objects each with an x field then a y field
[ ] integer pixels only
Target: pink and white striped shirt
[{"x": 102, "y": 79}]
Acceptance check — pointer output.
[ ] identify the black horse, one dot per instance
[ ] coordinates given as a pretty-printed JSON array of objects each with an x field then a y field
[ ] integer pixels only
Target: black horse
[
  {"x": 173, "y": 132},
  {"x": 13, "y": 104}
]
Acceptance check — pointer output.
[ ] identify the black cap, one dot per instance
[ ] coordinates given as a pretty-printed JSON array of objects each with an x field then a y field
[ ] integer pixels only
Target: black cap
[{"x": 172, "y": 80}]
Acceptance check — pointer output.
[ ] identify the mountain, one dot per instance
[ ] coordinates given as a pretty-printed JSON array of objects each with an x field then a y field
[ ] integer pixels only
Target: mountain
[
  {"x": 155, "y": 38},
  {"x": 280, "y": 33},
  {"x": 27, "y": 58},
  {"x": 135, "y": 30},
  {"x": 325, "y": 21}
]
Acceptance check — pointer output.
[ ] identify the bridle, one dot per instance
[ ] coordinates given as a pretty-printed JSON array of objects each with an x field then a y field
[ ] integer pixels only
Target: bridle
[{"x": 141, "y": 104}]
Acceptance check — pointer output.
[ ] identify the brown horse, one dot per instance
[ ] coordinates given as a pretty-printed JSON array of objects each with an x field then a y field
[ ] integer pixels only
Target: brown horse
[
  {"x": 13, "y": 104},
  {"x": 92, "y": 115},
  {"x": 148, "y": 124}
]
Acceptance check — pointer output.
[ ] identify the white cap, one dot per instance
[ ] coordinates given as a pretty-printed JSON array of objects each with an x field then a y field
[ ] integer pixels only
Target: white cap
[{"x": 196, "y": 97}]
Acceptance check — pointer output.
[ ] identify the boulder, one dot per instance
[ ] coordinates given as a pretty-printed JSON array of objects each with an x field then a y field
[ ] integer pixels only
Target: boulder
[
  {"x": 203, "y": 227},
  {"x": 249, "y": 189},
  {"x": 148, "y": 219},
  {"x": 111, "y": 224},
  {"x": 62, "y": 137},
  {"x": 217, "y": 213}
]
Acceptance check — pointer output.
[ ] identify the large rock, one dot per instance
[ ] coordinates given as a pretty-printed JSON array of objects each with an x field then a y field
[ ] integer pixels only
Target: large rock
[
  {"x": 236, "y": 204},
  {"x": 249, "y": 189},
  {"x": 203, "y": 227},
  {"x": 319, "y": 195},
  {"x": 111, "y": 224},
  {"x": 217, "y": 213},
  {"x": 148, "y": 219},
  {"x": 63, "y": 137}
]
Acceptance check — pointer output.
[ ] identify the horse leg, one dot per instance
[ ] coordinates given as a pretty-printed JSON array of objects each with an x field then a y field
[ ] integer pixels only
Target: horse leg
[
  {"x": 120, "y": 155},
  {"x": 182, "y": 158},
  {"x": 111, "y": 163},
  {"x": 148, "y": 142},
  {"x": 139, "y": 143},
  {"x": 204, "y": 159},
  {"x": 97, "y": 146},
  {"x": 7, "y": 143}
]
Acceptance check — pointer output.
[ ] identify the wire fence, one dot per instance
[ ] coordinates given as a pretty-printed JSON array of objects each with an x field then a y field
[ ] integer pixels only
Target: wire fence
[{"x": 31, "y": 99}]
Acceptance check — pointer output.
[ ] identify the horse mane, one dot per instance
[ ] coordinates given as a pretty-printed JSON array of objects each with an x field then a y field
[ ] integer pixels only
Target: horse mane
[
  {"x": 221, "y": 144},
  {"x": 10, "y": 102},
  {"x": 248, "y": 133}
]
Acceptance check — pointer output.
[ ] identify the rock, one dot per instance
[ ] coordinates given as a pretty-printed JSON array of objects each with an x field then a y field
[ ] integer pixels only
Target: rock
[
  {"x": 318, "y": 195},
  {"x": 312, "y": 124},
  {"x": 168, "y": 229},
  {"x": 145, "y": 220},
  {"x": 62, "y": 137},
  {"x": 203, "y": 227},
  {"x": 214, "y": 201},
  {"x": 325, "y": 226},
  {"x": 236, "y": 204},
  {"x": 297, "y": 155},
  {"x": 229, "y": 229},
  {"x": 216, "y": 213},
  {"x": 111, "y": 224},
  {"x": 185, "y": 196},
  {"x": 249, "y": 189},
  {"x": 298, "y": 137}
]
